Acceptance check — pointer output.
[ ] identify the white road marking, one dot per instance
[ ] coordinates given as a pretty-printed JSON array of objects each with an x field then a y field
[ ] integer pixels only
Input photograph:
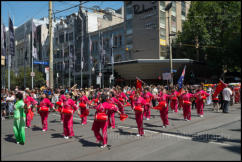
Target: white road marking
[{"x": 166, "y": 134}]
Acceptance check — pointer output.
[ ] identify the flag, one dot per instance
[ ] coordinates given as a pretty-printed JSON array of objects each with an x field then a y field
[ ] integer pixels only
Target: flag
[
  {"x": 180, "y": 81},
  {"x": 11, "y": 38},
  {"x": 221, "y": 85},
  {"x": 90, "y": 45},
  {"x": 82, "y": 62},
  {"x": 138, "y": 84},
  {"x": 25, "y": 57},
  {"x": 3, "y": 39},
  {"x": 34, "y": 50}
]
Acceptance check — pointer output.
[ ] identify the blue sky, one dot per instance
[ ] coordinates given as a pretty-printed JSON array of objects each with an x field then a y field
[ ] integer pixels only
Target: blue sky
[{"x": 21, "y": 11}]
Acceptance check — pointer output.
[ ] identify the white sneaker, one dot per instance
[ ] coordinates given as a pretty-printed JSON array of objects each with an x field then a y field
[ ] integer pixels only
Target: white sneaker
[
  {"x": 26, "y": 127},
  {"x": 201, "y": 116},
  {"x": 103, "y": 146},
  {"x": 66, "y": 137},
  {"x": 43, "y": 130},
  {"x": 163, "y": 126},
  {"x": 137, "y": 135},
  {"x": 173, "y": 110},
  {"x": 148, "y": 119},
  {"x": 185, "y": 119},
  {"x": 17, "y": 142}
]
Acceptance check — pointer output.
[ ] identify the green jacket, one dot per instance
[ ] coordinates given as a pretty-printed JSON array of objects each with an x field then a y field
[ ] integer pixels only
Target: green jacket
[{"x": 19, "y": 110}]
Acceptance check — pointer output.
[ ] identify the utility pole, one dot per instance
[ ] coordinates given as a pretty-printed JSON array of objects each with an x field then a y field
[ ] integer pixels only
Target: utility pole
[
  {"x": 168, "y": 7},
  {"x": 51, "y": 47},
  {"x": 69, "y": 83}
]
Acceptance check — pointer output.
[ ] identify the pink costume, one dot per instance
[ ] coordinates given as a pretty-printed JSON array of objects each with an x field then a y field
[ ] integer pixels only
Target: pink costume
[
  {"x": 199, "y": 101},
  {"x": 111, "y": 113},
  {"x": 139, "y": 115},
  {"x": 132, "y": 99},
  {"x": 121, "y": 106},
  {"x": 62, "y": 99},
  {"x": 174, "y": 101},
  {"x": 237, "y": 95},
  {"x": 148, "y": 98},
  {"x": 164, "y": 111},
  {"x": 68, "y": 118},
  {"x": 84, "y": 100},
  {"x": 97, "y": 125},
  {"x": 186, "y": 107},
  {"x": 44, "y": 114},
  {"x": 29, "y": 101}
]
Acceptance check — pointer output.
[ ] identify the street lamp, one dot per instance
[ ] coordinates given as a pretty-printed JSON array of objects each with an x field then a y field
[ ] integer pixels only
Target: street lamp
[{"x": 167, "y": 8}]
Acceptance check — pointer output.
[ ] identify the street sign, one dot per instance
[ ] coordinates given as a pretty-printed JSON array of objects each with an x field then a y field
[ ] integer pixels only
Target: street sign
[
  {"x": 32, "y": 74},
  {"x": 98, "y": 80},
  {"x": 41, "y": 62}
]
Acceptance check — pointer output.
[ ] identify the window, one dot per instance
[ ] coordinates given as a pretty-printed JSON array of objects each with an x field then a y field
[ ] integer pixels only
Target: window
[
  {"x": 70, "y": 36},
  {"x": 66, "y": 37},
  {"x": 129, "y": 40},
  {"x": 61, "y": 38},
  {"x": 129, "y": 12},
  {"x": 163, "y": 34},
  {"x": 115, "y": 41},
  {"x": 173, "y": 8},
  {"x": 120, "y": 41},
  {"x": 162, "y": 19},
  {"x": 162, "y": 5},
  {"x": 129, "y": 29},
  {"x": 173, "y": 23}
]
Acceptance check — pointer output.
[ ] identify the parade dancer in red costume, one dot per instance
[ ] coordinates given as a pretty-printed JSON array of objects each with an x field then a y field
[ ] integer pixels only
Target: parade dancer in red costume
[
  {"x": 43, "y": 110},
  {"x": 61, "y": 99},
  {"x": 83, "y": 106},
  {"x": 69, "y": 107},
  {"x": 101, "y": 120},
  {"x": 122, "y": 98},
  {"x": 200, "y": 100},
  {"x": 174, "y": 100},
  {"x": 139, "y": 104},
  {"x": 30, "y": 103},
  {"x": 186, "y": 104},
  {"x": 162, "y": 96},
  {"x": 111, "y": 113},
  {"x": 148, "y": 98}
]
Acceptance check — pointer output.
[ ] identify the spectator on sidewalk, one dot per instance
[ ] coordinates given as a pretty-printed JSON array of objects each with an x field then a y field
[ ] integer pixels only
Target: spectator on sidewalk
[{"x": 227, "y": 93}]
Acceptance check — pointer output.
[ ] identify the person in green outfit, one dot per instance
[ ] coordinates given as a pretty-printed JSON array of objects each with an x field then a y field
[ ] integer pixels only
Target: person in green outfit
[{"x": 19, "y": 119}]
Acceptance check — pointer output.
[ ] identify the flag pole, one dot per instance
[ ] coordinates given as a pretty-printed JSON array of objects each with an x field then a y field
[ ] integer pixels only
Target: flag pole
[{"x": 32, "y": 56}]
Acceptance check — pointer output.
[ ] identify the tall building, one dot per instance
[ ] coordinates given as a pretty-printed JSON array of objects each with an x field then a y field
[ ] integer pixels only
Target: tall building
[
  {"x": 147, "y": 38},
  {"x": 68, "y": 36}
]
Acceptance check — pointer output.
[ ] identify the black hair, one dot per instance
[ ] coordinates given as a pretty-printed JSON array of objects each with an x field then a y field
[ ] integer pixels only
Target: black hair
[
  {"x": 19, "y": 95},
  {"x": 103, "y": 98}
]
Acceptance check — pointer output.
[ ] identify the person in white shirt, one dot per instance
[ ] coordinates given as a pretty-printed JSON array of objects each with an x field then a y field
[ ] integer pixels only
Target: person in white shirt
[{"x": 227, "y": 93}]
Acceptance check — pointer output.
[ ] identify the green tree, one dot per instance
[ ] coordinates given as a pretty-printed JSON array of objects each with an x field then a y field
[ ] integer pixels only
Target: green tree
[
  {"x": 214, "y": 27},
  {"x": 38, "y": 79}
]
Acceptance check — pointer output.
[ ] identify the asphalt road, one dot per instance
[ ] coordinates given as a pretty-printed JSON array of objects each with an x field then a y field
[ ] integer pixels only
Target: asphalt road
[{"x": 216, "y": 136}]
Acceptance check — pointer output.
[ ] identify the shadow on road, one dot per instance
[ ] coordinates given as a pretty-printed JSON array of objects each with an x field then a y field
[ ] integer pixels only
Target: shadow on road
[
  {"x": 9, "y": 138},
  {"x": 235, "y": 149},
  {"x": 151, "y": 125},
  {"x": 56, "y": 135},
  {"x": 236, "y": 130},
  {"x": 88, "y": 143},
  {"x": 122, "y": 132},
  {"x": 35, "y": 128},
  {"x": 175, "y": 119}
]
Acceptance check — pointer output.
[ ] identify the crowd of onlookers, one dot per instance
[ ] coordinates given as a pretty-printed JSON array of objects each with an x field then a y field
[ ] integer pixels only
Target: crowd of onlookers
[{"x": 8, "y": 96}]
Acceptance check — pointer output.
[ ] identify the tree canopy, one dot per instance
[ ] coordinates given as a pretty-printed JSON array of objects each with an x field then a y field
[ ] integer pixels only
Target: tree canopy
[{"x": 212, "y": 34}]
